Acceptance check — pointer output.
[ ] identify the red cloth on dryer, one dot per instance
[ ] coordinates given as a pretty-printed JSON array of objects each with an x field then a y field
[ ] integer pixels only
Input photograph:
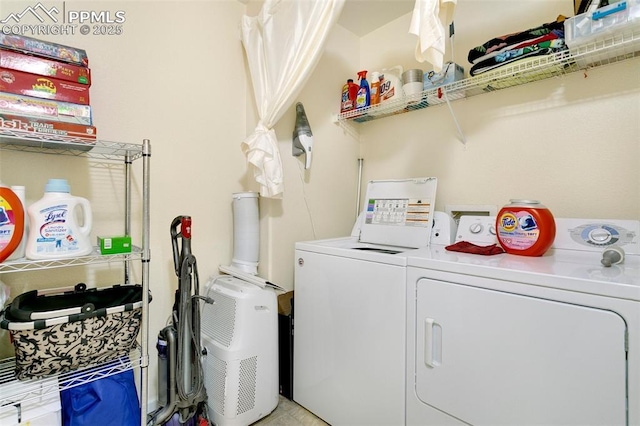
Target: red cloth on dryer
[{"x": 467, "y": 247}]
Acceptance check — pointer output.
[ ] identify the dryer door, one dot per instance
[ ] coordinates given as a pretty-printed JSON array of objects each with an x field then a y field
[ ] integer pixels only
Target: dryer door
[{"x": 493, "y": 358}]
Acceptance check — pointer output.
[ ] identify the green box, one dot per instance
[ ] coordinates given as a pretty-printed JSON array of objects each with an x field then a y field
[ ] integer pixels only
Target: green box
[{"x": 114, "y": 245}]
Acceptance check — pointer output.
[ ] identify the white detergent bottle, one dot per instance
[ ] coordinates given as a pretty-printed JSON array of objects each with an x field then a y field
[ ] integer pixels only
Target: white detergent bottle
[{"x": 55, "y": 231}]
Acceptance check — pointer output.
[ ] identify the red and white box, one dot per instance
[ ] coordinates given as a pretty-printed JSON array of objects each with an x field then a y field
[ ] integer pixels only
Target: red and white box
[
  {"x": 51, "y": 130},
  {"x": 22, "y": 83},
  {"x": 45, "y": 108},
  {"x": 45, "y": 67}
]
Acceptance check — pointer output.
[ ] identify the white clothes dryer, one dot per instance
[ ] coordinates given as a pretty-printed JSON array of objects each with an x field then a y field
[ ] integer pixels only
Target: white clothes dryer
[
  {"x": 350, "y": 316},
  {"x": 516, "y": 340}
]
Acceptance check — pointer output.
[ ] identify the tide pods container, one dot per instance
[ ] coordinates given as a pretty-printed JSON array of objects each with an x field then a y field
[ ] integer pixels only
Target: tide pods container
[{"x": 525, "y": 227}]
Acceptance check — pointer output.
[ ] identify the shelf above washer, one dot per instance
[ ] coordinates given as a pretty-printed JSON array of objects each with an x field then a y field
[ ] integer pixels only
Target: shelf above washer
[{"x": 617, "y": 47}]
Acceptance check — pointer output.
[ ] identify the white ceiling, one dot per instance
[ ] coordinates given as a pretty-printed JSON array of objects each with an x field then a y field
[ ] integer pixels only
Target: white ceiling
[{"x": 363, "y": 16}]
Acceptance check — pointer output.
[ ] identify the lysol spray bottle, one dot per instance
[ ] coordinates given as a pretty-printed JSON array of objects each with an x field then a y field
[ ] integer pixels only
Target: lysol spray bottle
[
  {"x": 525, "y": 227},
  {"x": 54, "y": 231}
]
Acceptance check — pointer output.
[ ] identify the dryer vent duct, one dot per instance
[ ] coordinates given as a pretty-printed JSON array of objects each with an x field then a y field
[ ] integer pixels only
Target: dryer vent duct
[{"x": 246, "y": 232}]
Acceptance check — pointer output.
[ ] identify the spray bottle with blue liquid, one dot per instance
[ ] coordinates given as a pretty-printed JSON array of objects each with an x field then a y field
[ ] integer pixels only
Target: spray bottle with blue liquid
[{"x": 363, "y": 99}]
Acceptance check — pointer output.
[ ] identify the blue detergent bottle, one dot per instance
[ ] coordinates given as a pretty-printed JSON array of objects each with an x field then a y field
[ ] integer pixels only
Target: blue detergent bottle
[{"x": 363, "y": 98}]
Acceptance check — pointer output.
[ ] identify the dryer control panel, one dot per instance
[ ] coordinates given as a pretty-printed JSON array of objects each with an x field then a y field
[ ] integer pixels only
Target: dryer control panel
[{"x": 596, "y": 235}]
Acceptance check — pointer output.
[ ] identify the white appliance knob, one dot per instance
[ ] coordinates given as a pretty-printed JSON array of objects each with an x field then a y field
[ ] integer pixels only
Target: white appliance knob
[
  {"x": 476, "y": 228},
  {"x": 492, "y": 229},
  {"x": 599, "y": 235}
]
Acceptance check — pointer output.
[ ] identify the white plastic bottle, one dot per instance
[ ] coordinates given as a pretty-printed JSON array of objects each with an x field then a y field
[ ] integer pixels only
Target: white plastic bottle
[
  {"x": 20, "y": 251},
  {"x": 54, "y": 231}
]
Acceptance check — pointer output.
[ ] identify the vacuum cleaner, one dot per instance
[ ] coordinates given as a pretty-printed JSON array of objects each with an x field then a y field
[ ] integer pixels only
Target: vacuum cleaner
[{"x": 181, "y": 392}]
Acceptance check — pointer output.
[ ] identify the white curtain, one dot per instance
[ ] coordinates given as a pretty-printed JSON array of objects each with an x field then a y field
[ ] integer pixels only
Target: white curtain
[{"x": 283, "y": 45}]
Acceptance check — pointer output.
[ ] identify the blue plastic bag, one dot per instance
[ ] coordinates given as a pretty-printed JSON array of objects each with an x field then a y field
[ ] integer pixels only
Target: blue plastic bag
[{"x": 110, "y": 401}]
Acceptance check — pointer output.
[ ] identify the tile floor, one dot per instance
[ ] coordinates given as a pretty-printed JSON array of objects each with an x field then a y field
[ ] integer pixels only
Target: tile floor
[{"x": 288, "y": 413}]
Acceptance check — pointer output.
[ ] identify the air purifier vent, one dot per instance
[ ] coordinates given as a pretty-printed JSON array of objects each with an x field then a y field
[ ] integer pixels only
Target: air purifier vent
[
  {"x": 218, "y": 319},
  {"x": 216, "y": 386},
  {"x": 247, "y": 396}
]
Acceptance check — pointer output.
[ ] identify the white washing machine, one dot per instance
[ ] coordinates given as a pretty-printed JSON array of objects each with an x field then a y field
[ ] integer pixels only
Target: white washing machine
[
  {"x": 349, "y": 301},
  {"x": 516, "y": 340}
]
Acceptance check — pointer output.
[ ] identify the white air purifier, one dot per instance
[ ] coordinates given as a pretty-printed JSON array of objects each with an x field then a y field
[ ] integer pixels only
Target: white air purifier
[{"x": 240, "y": 336}]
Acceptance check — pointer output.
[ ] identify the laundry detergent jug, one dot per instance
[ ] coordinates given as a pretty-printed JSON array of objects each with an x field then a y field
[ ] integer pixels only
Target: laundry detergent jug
[
  {"x": 55, "y": 231},
  {"x": 11, "y": 222},
  {"x": 391, "y": 85}
]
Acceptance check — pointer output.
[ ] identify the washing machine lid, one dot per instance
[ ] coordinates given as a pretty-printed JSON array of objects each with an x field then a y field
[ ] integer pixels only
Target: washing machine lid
[{"x": 399, "y": 212}]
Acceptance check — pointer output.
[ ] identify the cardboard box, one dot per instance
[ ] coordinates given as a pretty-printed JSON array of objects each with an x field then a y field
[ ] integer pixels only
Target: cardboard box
[
  {"x": 23, "y": 83},
  {"x": 45, "y": 67},
  {"x": 51, "y": 129},
  {"x": 45, "y": 49},
  {"x": 450, "y": 73},
  {"x": 45, "y": 108},
  {"x": 114, "y": 245}
]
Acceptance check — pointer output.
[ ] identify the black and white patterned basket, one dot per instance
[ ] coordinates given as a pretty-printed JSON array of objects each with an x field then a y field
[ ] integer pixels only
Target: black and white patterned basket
[{"x": 81, "y": 328}]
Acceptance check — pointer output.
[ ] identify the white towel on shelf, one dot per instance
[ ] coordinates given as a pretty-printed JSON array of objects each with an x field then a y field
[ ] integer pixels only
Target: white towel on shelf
[{"x": 429, "y": 22}]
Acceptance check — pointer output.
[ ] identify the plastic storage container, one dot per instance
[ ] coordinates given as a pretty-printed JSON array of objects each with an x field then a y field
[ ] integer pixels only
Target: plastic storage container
[
  {"x": 525, "y": 227},
  {"x": 54, "y": 229},
  {"x": 618, "y": 18}
]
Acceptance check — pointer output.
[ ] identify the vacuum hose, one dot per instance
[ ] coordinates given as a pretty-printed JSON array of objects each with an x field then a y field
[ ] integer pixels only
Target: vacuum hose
[{"x": 189, "y": 342}]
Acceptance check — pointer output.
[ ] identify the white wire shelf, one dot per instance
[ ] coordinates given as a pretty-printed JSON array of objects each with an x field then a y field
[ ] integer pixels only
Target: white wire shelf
[
  {"x": 59, "y": 145},
  {"x": 95, "y": 257},
  {"x": 13, "y": 391},
  {"x": 617, "y": 47}
]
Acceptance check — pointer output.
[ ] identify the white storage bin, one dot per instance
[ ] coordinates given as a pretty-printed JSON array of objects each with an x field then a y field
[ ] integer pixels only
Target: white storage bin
[{"x": 606, "y": 22}]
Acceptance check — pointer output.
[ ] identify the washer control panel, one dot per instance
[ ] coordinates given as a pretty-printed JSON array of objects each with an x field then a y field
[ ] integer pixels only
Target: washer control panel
[
  {"x": 596, "y": 235},
  {"x": 480, "y": 230}
]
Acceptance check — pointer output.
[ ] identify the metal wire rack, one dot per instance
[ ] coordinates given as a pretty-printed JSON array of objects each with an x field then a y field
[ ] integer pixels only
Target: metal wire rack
[
  {"x": 19, "y": 392},
  {"x": 94, "y": 258},
  {"x": 615, "y": 48},
  {"x": 59, "y": 145}
]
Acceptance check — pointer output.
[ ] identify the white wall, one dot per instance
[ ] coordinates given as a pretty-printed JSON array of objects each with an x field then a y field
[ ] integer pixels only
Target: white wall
[{"x": 571, "y": 142}]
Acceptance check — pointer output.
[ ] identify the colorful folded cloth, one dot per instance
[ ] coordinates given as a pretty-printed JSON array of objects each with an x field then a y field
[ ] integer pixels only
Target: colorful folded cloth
[
  {"x": 467, "y": 247},
  {"x": 509, "y": 41},
  {"x": 509, "y": 56},
  {"x": 555, "y": 34}
]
